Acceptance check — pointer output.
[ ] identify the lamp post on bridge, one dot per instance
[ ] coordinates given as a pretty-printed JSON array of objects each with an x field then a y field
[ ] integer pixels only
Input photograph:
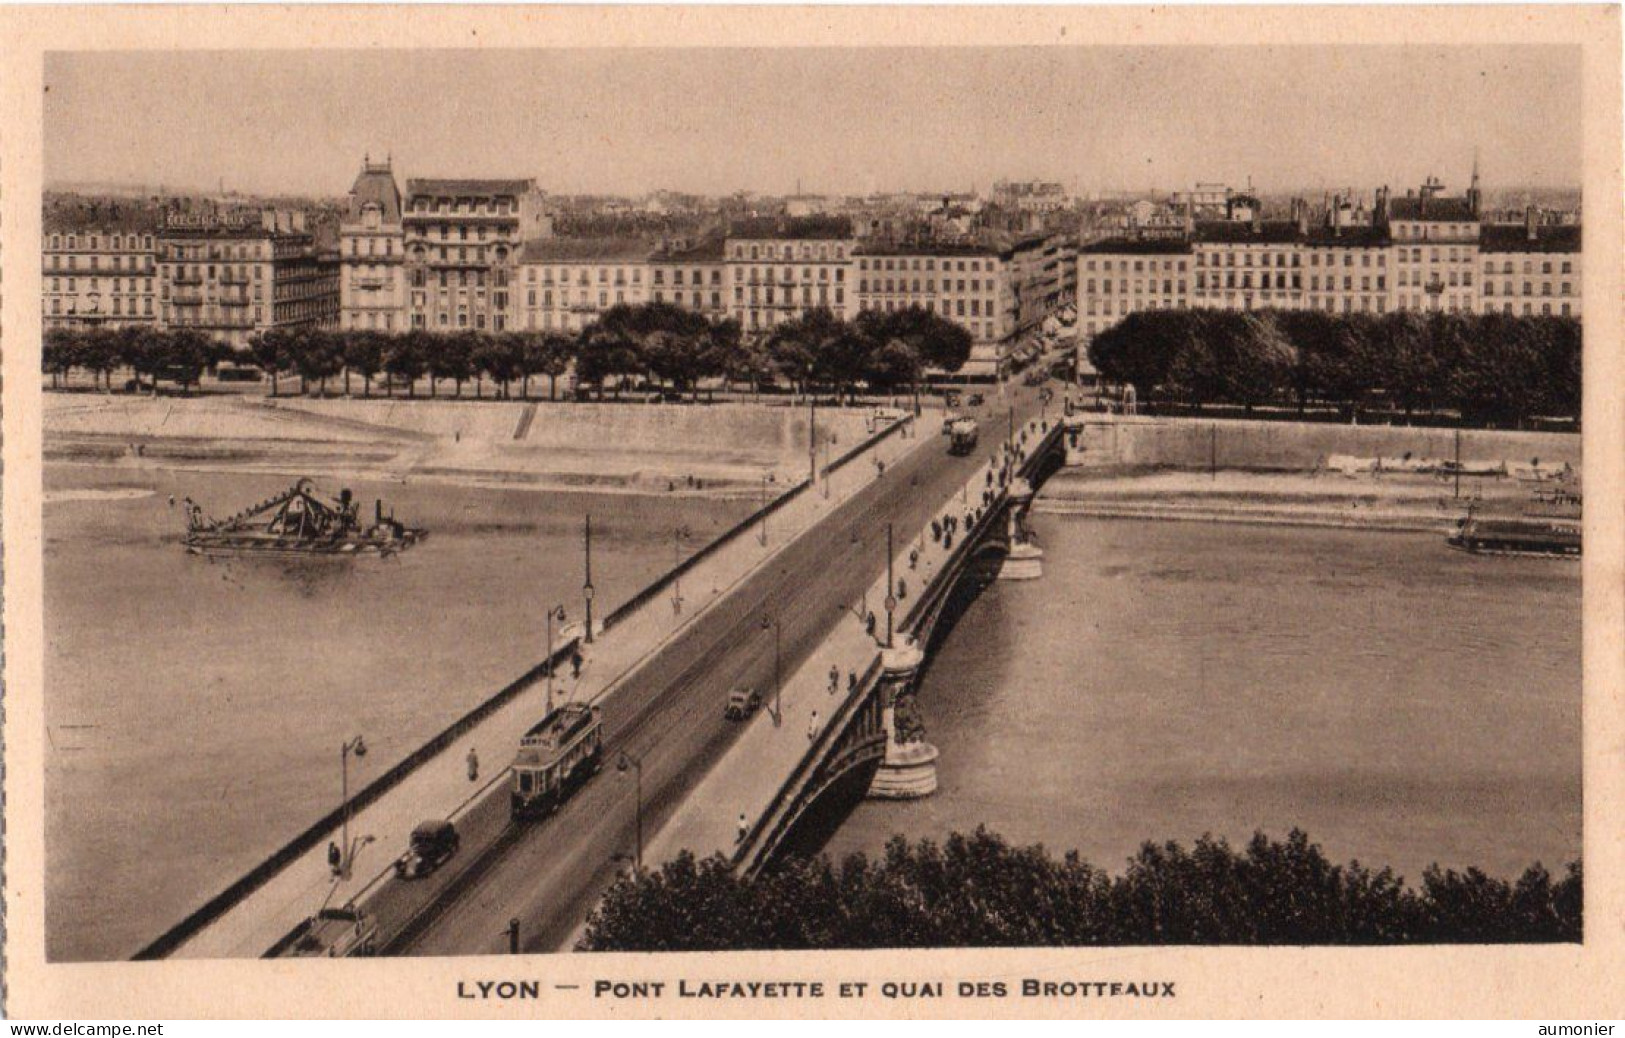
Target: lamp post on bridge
[
  {"x": 346, "y": 856},
  {"x": 778, "y": 673},
  {"x": 556, "y": 612},
  {"x": 628, "y": 762},
  {"x": 586, "y": 585},
  {"x": 891, "y": 588}
]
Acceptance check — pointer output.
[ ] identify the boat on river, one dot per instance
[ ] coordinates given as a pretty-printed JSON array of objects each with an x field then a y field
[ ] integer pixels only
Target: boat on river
[
  {"x": 298, "y": 522},
  {"x": 1549, "y": 525}
]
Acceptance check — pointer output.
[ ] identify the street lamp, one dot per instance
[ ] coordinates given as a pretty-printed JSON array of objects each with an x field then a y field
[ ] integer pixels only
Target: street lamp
[
  {"x": 557, "y": 612},
  {"x": 357, "y": 746},
  {"x": 763, "y": 509},
  {"x": 586, "y": 585},
  {"x": 778, "y": 661},
  {"x": 812, "y": 434},
  {"x": 891, "y": 588},
  {"x": 677, "y": 537},
  {"x": 635, "y": 764}
]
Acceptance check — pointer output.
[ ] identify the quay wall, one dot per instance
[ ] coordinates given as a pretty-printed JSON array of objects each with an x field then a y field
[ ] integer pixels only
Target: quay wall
[
  {"x": 1303, "y": 446},
  {"x": 657, "y": 428}
]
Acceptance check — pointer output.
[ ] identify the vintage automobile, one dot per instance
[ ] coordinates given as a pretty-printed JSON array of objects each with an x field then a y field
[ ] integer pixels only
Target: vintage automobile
[
  {"x": 742, "y": 702},
  {"x": 431, "y": 844},
  {"x": 976, "y": 400}
]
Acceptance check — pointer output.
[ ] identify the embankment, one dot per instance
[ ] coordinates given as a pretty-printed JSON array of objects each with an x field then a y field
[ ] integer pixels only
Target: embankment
[
  {"x": 1192, "y": 443},
  {"x": 1276, "y": 473},
  {"x": 726, "y": 448}
]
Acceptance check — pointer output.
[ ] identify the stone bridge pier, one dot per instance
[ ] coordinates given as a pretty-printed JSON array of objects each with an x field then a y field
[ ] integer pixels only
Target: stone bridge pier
[{"x": 909, "y": 769}]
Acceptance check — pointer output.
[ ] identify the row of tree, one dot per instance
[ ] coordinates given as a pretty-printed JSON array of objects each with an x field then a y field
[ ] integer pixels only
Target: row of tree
[
  {"x": 979, "y": 891},
  {"x": 1494, "y": 369},
  {"x": 180, "y": 355},
  {"x": 669, "y": 345}
]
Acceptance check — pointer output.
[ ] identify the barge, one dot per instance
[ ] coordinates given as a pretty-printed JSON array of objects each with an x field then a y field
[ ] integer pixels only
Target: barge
[{"x": 297, "y": 522}]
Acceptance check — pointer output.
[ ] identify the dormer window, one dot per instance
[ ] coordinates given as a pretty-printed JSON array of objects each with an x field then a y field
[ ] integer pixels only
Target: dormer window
[{"x": 371, "y": 216}]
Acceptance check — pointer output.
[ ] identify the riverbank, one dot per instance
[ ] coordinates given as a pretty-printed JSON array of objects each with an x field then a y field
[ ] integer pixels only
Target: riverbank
[
  {"x": 726, "y": 450},
  {"x": 1412, "y": 503}
]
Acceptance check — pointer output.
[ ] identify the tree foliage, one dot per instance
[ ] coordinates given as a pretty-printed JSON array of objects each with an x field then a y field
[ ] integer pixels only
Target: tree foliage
[
  {"x": 1492, "y": 369},
  {"x": 979, "y": 891},
  {"x": 675, "y": 347}
]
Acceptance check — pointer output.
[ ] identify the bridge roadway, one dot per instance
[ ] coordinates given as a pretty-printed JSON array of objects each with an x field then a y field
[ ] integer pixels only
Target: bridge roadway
[{"x": 550, "y": 874}]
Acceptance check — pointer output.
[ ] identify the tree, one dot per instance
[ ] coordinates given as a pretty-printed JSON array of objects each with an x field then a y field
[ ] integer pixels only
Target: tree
[
  {"x": 363, "y": 352},
  {"x": 1416, "y": 367},
  {"x": 818, "y": 346},
  {"x": 450, "y": 356},
  {"x": 551, "y": 355},
  {"x": 738, "y": 358},
  {"x": 60, "y": 353},
  {"x": 184, "y": 354},
  {"x": 939, "y": 342},
  {"x": 976, "y": 890},
  {"x": 500, "y": 356},
  {"x": 406, "y": 358},
  {"x": 274, "y": 351},
  {"x": 317, "y": 356},
  {"x": 1141, "y": 349}
]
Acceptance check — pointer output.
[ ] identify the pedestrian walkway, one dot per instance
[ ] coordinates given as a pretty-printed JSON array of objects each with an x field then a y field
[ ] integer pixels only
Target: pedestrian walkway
[{"x": 441, "y": 787}]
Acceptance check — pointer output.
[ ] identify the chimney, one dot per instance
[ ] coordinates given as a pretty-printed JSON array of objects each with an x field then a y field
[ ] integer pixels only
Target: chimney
[
  {"x": 268, "y": 220},
  {"x": 1531, "y": 222},
  {"x": 1258, "y": 217},
  {"x": 298, "y": 220},
  {"x": 1301, "y": 209}
]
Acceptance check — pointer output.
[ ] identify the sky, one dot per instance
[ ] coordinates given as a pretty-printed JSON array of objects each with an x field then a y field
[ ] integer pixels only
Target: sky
[{"x": 833, "y": 120}]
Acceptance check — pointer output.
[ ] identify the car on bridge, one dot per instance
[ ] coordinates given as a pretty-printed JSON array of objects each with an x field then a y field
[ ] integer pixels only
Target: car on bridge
[
  {"x": 432, "y": 843},
  {"x": 742, "y": 702}
]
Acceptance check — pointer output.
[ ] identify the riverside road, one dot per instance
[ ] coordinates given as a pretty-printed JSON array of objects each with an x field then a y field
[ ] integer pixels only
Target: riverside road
[{"x": 550, "y": 874}]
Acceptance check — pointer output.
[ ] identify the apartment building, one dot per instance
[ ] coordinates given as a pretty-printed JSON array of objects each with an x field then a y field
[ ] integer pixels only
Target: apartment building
[
  {"x": 1121, "y": 276},
  {"x": 566, "y": 283},
  {"x": 1423, "y": 252},
  {"x": 779, "y": 270},
  {"x": 234, "y": 275},
  {"x": 463, "y": 240},
  {"x": 99, "y": 269},
  {"x": 691, "y": 275},
  {"x": 372, "y": 253},
  {"x": 1530, "y": 268}
]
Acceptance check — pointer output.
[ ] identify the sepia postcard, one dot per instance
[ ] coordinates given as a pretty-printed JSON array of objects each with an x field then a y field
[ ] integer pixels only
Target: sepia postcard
[{"x": 523, "y": 512}]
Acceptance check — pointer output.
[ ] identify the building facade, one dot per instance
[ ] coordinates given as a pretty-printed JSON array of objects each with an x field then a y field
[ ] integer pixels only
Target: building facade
[
  {"x": 567, "y": 283},
  {"x": 1121, "y": 276},
  {"x": 233, "y": 276},
  {"x": 1530, "y": 268},
  {"x": 965, "y": 284},
  {"x": 778, "y": 272},
  {"x": 693, "y": 276},
  {"x": 463, "y": 240},
  {"x": 372, "y": 253},
  {"x": 99, "y": 271},
  {"x": 1422, "y": 252}
]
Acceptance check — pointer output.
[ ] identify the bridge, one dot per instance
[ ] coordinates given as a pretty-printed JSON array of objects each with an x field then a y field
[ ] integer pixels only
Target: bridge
[
  {"x": 871, "y": 742},
  {"x": 776, "y": 606}
]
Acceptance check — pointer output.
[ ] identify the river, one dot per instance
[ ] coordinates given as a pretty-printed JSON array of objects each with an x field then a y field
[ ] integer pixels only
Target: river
[
  {"x": 1402, "y": 703},
  {"x": 195, "y": 707}
]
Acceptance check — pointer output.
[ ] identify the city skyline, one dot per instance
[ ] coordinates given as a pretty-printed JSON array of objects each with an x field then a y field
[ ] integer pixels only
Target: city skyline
[{"x": 300, "y": 122}]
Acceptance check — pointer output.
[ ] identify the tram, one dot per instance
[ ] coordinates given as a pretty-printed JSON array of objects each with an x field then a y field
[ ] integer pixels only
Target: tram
[{"x": 558, "y": 754}]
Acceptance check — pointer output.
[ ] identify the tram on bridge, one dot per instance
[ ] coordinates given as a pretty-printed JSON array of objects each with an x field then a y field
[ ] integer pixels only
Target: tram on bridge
[{"x": 558, "y": 754}]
